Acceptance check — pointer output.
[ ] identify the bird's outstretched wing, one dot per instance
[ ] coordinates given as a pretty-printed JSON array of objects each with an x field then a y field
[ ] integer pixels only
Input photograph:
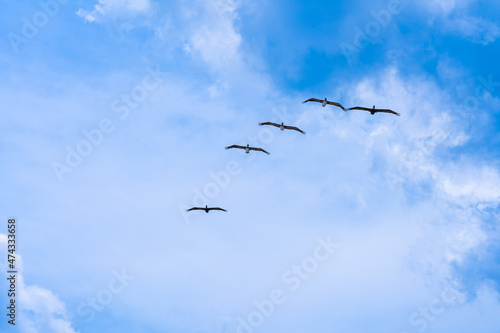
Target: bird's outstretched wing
[
  {"x": 195, "y": 208},
  {"x": 295, "y": 129},
  {"x": 235, "y": 146},
  {"x": 371, "y": 110},
  {"x": 269, "y": 123},
  {"x": 259, "y": 149},
  {"x": 217, "y": 208},
  {"x": 313, "y": 100},
  {"x": 387, "y": 111},
  {"x": 336, "y": 104}
]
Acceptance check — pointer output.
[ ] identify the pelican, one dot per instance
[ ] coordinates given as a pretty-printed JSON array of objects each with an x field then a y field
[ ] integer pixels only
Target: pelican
[
  {"x": 206, "y": 209},
  {"x": 247, "y": 148},
  {"x": 373, "y": 110},
  {"x": 324, "y": 102},
  {"x": 283, "y": 127}
]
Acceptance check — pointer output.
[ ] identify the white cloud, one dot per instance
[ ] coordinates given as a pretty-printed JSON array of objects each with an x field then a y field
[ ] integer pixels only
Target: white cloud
[
  {"x": 476, "y": 29},
  {"x": 39, "y": 310},
  {"x": 215, "y": 37},
  {"x": 115, "y": 8},
  {"x": 453, "y": 18},
  {"x": 470, "y": 185}
]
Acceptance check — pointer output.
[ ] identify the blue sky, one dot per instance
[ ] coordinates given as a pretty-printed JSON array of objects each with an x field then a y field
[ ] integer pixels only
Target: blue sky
[{"x": 116, "y": 114}]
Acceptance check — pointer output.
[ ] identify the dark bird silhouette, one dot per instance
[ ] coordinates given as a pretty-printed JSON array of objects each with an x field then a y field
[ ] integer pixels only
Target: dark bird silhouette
[
  {"x": 206, "y": 209},
  {"x": 247, "y": 148},
  {"x": 373, "y": 110},
  {"x": 283, "y": 127},
  {"x": 324, "y": 102}
]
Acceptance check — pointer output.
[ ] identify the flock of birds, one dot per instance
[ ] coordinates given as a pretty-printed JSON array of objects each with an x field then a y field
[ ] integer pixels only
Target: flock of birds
[{"x": 282, "y": 127}]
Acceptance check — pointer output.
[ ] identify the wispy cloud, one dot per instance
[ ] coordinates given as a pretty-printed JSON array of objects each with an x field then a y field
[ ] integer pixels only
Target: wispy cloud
[
  {"x": 115, "y": 8},
  {"x": 472, "y": 185},
  {"x": 475, "y": 29},
  {"x": 453, "y": 17}
]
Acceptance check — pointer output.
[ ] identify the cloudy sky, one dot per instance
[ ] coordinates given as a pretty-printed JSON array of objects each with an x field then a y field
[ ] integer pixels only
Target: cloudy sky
[{"x": 114, "y": 121}]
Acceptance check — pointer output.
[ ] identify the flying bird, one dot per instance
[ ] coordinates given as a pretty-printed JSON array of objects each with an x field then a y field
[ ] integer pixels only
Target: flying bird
[
  {"x": 324, "y": 102},
  {"x": 206, "y": 209},
  {"x": 283, "y": 127},
  {"x": 247, "y": 148},
  {"x": 373, "y": 110}
]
